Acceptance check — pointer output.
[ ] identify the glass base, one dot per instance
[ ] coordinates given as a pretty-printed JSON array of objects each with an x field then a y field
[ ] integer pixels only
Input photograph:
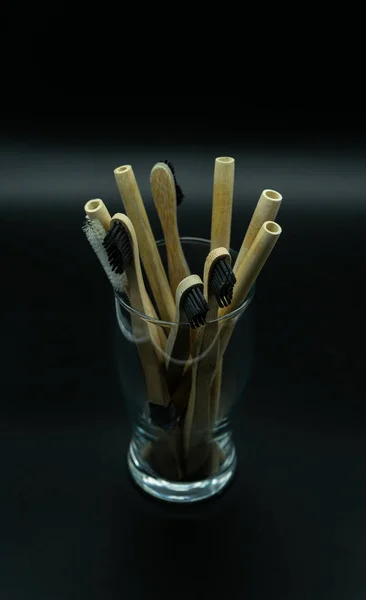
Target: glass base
[{"x": 187, "y": 492}]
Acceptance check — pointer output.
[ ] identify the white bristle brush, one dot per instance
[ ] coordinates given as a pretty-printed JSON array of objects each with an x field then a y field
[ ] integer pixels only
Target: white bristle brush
[{"x": 95, "y": 234}]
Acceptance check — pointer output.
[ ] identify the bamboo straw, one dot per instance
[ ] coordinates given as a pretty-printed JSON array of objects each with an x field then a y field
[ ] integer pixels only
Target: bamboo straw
[
  {"x": 253, "y": 263},
  {"x": 96, "y": 209},
  {"x": 222, "y": 202},
  {"x": 266, "y": 210}
]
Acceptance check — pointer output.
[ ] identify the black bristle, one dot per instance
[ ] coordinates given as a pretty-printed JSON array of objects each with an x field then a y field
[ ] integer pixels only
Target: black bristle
[
  {"x": 195, "y": 306},
  {"x": 118, "y": 247},
  {"x": 178, "y": 190},
  {"x": 222, "y": 282},
  {"x": 170, "y": 165}
]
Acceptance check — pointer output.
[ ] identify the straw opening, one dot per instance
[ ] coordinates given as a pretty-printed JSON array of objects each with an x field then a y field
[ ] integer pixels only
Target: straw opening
[
  {"x": 93, "y": 205},
  {"x": 225, "y": 159},
  {"x": 272, "y": 195},
  {"x": 122, "y": 169},
  {"x": 272, "y": 227}
]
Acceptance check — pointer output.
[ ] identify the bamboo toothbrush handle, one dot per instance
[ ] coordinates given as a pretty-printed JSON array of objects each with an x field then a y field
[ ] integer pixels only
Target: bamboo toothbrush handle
[
  {"x": 163, "y": 190},
  {"x": 222, "y": 202},
  {"x": 176, "y": 354},
  {"x": 156, "y": 385},
  {"x": 142, "y": 301},
  {"x": 150, "y": 256},
  {"x": 163, "y": 454},
  {"x": 177, "y": 265},
  {"x": 225, "y": 331},
  {"x": 157, "y": 333},
  {"x": 198, "y": 419},
  {"x": 178, "y": 345},
  {"x": 189, "y": 418},
  {"x": 266, "y": 210}
]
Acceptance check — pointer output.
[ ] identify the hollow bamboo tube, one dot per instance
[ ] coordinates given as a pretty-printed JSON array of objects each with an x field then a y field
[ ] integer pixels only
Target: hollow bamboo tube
[
  {"x": 266, "y": 210},
  {"x": 96, "y": 209},
  {"x": 253, "y": 263},
  {"x": 222, "y": 202}
]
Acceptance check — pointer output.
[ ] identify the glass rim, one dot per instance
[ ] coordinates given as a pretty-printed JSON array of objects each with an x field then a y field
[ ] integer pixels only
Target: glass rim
[{"x": 241, "y": 308}]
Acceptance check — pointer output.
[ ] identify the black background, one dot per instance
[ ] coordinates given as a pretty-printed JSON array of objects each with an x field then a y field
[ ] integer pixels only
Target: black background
[{"x": 293, "y": 524}]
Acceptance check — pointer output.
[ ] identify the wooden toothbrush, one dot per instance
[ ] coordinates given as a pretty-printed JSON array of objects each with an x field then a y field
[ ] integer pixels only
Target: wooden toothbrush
[
  {"x": 249, "y": 270},
  {"x": 163, "y": 187},
  {"x": 164, "y": 454},
  {"x": 135, "y": 209},
  {"x": 96, "y": 210},
  {"x": 95, "y": 234},
  {"x": 96, "y": 225},
  {"x": 222, "y": 202},
  {"x": 218, "y": 287},
  {"x": 192, "y": 305},
  {"x": 123, "y": 253},
  {"x": 266, "y": 210}
]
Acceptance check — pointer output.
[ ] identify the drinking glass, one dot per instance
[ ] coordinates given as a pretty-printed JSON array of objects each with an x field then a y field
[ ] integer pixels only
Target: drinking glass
[{"x": 178, "y": 453}]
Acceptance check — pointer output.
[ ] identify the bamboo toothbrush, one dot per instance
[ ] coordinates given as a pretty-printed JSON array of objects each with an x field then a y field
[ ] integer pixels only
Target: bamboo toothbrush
[
  {"x": 219, "y": 282},
  {"x": 249, "y": 270},
  {"x": 190, "y": 304},
  {"x": 97, "y": 212},
  {"x": 266, "y": 210},
  {"x": 95, "y": 227},
  {"x": 178, "y": 190},
  {"x": 135, "y": 209},
  {"x": 123, "y": 254},
  {"x": 164, "y": 191},
  {"x": 222, "y": 202},
  {"x": 95, "y": 234}
]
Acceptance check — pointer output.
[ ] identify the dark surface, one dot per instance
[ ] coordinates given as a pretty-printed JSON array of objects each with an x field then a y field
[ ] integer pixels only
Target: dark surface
[{"x": 293, "y": 524}]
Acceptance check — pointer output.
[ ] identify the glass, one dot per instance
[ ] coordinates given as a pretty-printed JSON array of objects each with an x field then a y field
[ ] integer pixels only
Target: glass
[{"x": 180, "y": 450}]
